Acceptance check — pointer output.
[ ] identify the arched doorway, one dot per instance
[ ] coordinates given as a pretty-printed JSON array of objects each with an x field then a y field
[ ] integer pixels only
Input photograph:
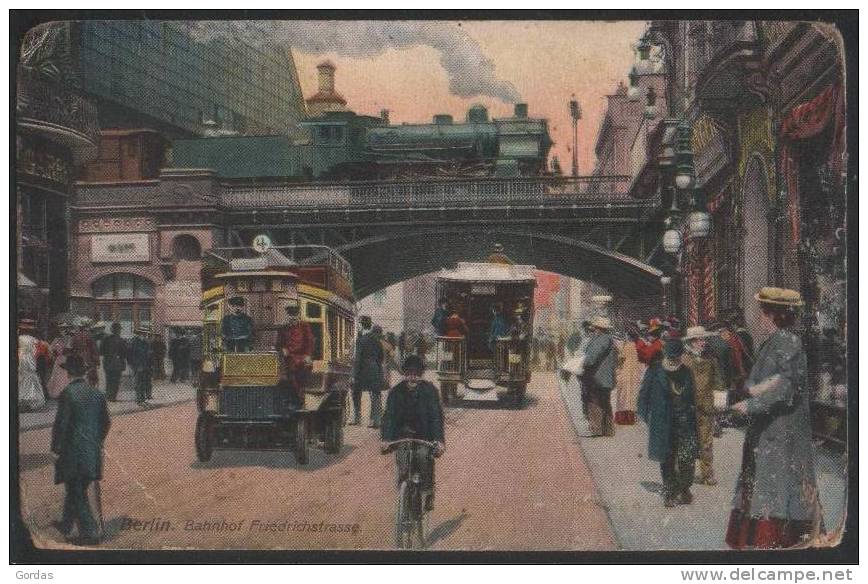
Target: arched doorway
[
  {"x": 186, "y": 248},
  {"x": 755, "y": 267},
  {"x": 124, "y": 298}
]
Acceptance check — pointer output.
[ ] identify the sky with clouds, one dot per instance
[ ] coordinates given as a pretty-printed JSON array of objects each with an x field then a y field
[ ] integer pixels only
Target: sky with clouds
[{"x": 418, "y": 69}]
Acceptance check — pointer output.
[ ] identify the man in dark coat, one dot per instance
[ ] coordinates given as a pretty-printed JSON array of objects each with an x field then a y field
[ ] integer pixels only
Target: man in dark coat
[
  {"x": 413, "y": 410},
  {"x": 367, "y": 372},
  {"x": 195, "y": 340},
  {"x": 598, "y": 377},
  {"x": 141, "y": 360},
  {"x": 114, "y": 361},
  {"x": 295, "y": 345},
  {"x": 80, "y": 427},
  {"x": 237, "y": 327},
  {"x": 85, "y": 347},
  {"x": 158, "y": 356},
  {"x": 666, "y": 404},
  {"x": 179, "y": 354},
  {"x": 438, "y": 321}
]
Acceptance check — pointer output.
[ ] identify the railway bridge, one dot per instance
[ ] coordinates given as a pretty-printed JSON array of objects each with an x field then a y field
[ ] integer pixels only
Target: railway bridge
[{"x": 588, "y": 228}]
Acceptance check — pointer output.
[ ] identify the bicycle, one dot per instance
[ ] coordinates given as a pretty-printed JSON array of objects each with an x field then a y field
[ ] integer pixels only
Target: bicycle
[{"x": 410, "y": 508}]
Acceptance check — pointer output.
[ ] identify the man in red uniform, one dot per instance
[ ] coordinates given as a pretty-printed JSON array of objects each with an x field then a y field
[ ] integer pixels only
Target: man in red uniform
[{"x": 295, "y": 343}]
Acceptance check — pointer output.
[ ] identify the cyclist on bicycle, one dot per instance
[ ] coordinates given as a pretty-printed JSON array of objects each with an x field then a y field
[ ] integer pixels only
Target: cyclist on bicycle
[{"x": 413, "y": 410}]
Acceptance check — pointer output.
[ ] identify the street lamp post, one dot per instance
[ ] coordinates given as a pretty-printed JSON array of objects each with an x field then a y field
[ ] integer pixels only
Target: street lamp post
[{"x": 576, "y": 115}]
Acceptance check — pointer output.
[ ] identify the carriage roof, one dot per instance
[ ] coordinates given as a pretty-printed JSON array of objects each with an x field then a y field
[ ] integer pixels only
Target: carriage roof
[{"x": 488, "y": 272}]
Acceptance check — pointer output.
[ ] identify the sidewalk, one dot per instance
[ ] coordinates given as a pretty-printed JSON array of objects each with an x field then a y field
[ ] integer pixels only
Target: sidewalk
[
  {"x": 165, "y": 394},
  {"x": 631, "y": 488}
]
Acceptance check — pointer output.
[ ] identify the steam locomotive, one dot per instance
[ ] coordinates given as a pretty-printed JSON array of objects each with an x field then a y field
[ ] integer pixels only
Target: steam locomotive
[{"x": 345, "y": 146}]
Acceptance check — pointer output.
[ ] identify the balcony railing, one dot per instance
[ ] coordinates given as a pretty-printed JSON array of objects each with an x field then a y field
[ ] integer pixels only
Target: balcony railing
[
  {"x": 538, "y": 191},
  {"x": 451, "y": 357},
  {"x": 511, "y": 360},
  {"x": 55, "y": 108},
  {"x": 519, "y": 192}
]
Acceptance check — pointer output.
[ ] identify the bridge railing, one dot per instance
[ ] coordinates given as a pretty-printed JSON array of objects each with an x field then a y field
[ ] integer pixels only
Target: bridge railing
[{"x": 532, "y": 191}]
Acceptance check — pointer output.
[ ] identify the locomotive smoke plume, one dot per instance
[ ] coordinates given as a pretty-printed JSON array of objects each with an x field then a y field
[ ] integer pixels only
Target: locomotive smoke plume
[{"x": 470, "y": 72}]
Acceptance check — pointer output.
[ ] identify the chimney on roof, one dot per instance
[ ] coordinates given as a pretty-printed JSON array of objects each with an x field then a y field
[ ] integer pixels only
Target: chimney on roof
[
  {"x": 326, "y": 71},
  {"x": 521, "y": 110},
  {"x": 384, "y": 115}
]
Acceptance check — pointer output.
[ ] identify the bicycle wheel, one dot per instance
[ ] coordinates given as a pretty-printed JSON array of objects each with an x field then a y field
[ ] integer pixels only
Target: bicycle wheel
[
  {"x": 403, "y": 521},
  {"x": 419, "y": 532}
]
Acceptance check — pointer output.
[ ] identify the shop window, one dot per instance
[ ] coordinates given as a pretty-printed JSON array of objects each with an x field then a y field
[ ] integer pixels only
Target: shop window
[
  {"x": 126, "y": 299},
  {"x": 122, "y": 287}
]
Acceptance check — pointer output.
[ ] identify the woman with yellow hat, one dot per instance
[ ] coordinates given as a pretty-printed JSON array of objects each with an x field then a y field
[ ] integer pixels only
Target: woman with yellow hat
[{"x": 776, "y": 503}]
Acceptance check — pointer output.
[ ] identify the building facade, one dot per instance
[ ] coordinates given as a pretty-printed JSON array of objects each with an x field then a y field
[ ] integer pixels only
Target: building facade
[
  {"x": 56, "y": 130},
  {"x": 748, "y": 90},
  {"x": 100, "y": 102},
  {"x": 764, "y": 104}
]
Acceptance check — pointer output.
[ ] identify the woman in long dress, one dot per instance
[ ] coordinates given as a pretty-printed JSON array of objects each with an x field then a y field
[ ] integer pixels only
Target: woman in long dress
[
  {"x": 628, "y": 380},
  {"x": 59, "y": 378},
  {"x": 30, "y": 396},
  {"x": 776, "y": 503}
]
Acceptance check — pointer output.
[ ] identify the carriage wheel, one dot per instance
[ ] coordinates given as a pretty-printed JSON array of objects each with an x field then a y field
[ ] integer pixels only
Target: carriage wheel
[
  {"x": 403, "y": 520},
  {"x": 520, "y": 391},
  {"x": 449, "y": 391},
  {"x": 334, "y": 433},
  {"x": 301, "y": 428},
  {"x": 204, "y": 438}
]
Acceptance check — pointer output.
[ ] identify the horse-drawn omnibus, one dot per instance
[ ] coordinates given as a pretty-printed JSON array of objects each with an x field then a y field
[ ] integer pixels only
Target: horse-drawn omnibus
[
  {"x": 480, "y": 366},
  {"x": 243, "y": 402}
]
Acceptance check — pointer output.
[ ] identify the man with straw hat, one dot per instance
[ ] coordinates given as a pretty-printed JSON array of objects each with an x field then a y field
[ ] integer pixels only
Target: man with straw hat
[
  {"x": 776, "y": 503},
  {"x": 598, "y": 377},
  {"x": 80, "y": 428},
  {"x": 706, "y": 381}
]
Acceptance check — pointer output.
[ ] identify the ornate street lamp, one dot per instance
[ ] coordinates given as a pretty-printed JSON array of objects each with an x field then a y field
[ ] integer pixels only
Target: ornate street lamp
[
  {"x": 633, "y": 89},
  {"x": 672, "y": 237},
  {"x": 684, "y": 173},
  {"x": 699, "y": 224},
  {"x": 643, "y": 49}
]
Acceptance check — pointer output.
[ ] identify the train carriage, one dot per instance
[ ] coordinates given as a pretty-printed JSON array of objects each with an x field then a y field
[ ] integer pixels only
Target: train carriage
[
  {"x": 475, "y": 367},
  {"x": 242, "y": 402}
]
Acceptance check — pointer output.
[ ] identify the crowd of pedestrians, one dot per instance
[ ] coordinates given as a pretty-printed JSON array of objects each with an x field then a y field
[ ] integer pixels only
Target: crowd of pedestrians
[
  {"x": 106, "y": 356},
  {"x": 685, "y": 384}
]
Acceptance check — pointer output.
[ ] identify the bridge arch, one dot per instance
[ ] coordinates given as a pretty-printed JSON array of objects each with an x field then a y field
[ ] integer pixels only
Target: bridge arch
[{"x": 382, "y": 260}]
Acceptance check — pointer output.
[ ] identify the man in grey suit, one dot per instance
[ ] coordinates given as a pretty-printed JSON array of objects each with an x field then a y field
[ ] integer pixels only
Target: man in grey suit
[
  {"x": 80, "y": 428},
  {"x": 598, "y": 377}
]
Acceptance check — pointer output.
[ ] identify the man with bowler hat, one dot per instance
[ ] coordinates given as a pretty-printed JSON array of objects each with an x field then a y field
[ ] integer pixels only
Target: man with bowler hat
[
  {"x": 114, "y": 355},
  {"x": 80, "y": 428}
]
